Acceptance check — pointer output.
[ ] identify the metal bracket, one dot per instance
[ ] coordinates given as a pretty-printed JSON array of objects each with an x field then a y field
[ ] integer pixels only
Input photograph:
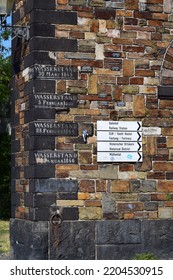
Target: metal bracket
[
  {"x": 56, "y": 218},
  {"x": 85, "y": 135},
  {"x": 19, "y": 30}
]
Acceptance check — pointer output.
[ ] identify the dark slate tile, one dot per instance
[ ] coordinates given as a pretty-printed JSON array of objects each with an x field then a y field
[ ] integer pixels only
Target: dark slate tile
[
  {"x": 53, "y": 185},
  {"x": 118, "y": 232},
  {"x": 75, "y": 241},
  {"x": 158, "y": 238},
  {"x": 53, "y": 17},
  {"x": 53, "y": 44},
  {"x": 118, "y": 252}
]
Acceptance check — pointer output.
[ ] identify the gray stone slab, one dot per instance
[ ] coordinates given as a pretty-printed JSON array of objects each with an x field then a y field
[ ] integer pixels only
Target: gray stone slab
[
  {"x": 29, "y": 240},
  {"x": 118, "y": 232},
  {"x": 158, "y": 237},
  {"x": 117, "y": 252},
  {"x": 73, "y": 240},
  {"x": 53, "y": 185}
]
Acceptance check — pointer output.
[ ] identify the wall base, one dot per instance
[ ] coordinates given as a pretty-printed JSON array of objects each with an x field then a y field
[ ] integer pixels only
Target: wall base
[{"x": 85, "y": 240}]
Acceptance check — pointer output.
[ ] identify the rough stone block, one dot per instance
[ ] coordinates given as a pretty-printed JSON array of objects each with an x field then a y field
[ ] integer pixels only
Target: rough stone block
[
  {"x": 42, "y": 213},
  {"x": 35, "y": 171},
  {"x": 117, "y": 252},
  {"x": 120, "y": 186},
  {"x": 76, "y": 244},
  {"x": 39, "y": 143},
  {"x": 15, "y": 146},
  {"x": 158, "y": 237},
  {"x": 128, "y": 68},
  {"x": 29, "y": 240},
  {"x": 118, "y": 232},
  {"x": 42, "y": 30},
  {"x": 109, "y": 172},
  {"x": 165, "y": 186},
  {"x": 70, "y": 213},
  {"x": 53, "y": 44},
  {"x": 53, "y": 185},
  {"x": 104, "y": 14},
  {"x": 108, "y": 203},
  {"x": 38, "y": 58},
  {"x": 148, "y": 186},
  {"x": 39, "y": 200},
  {"x": 53, "y": 17},
  {"x": 39, "y": 4},
  {"x": 38, "y": 113},
  {"x": 90, "y": 213},
  {"x": 150, "y": 206},
  {"x": 128, "y": 206},
  {"x": 165, "y": 92},
  {"x": 39, "y": 86},
  {"x": 139, "y": 106}
]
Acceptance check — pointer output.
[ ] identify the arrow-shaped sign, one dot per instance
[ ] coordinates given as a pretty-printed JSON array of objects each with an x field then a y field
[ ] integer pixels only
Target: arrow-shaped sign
[
  {"x": 119, "y": 157},
  {"x": 140, "y": 157},
  {"x": 139, "y": 149},
  {"x": 118, "y": 146},
  {"x": 139, "y": 124},
  {"x": 139, "y": 136},
  {"x": 124, "y": 136},
  {"x": 119, "y": 126}
]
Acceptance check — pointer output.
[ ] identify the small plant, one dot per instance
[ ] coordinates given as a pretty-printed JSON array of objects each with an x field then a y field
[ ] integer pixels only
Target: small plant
[
  {"x": 144, "y": 256},
  {"x": 169, "y": 197}
]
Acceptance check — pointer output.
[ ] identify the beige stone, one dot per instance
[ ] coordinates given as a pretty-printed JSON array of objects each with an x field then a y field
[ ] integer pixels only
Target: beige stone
[
  {"x": 83, "y": 196},
  {"x": 90, "y": 213},
  {"x": 127, "y": 175},
  {"x": 102, "y": 26},
  {"x": 139, "y": 106},
  {"x": 148, "y": 89},
  {"x": 84, "y": 174},
  {"x": 151, "y": 81},
  {"x": 109, "y": 171},
  {"x": 92, "y": 84},
  {"x": 130, "y": 89},
  {"x": 99, "y": 51},
  {"x": 165, "y": 213},
  {"x": 128, "y": 68},
  {"x": 90, "y": 36},
  {"x": 62, "y": 203}
]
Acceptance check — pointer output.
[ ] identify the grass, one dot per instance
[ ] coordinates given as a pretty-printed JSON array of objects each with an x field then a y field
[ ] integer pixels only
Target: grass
[
  {"x": 145, "y": 256},
  {"x": 4, "y": 237}
]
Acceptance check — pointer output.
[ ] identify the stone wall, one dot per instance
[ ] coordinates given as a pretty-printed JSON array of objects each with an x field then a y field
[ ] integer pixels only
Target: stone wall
[{"x": 89, "y": 61}]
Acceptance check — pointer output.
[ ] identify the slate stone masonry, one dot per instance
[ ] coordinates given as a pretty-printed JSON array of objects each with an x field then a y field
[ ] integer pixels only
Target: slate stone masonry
[
  {"x": 87, "y": 239},
  {"x": 89, "y": 61}
]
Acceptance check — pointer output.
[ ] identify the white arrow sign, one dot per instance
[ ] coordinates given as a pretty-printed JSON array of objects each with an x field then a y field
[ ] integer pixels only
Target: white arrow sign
[
  {"x": 118, "y": 136},
  {"x": 119, "y": 126},
  {"x": 119, "y": 156},
  {"x": 119, "y": 146}
]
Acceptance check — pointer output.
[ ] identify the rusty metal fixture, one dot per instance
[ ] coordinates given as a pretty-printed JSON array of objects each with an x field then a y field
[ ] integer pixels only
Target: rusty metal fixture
[{"x": 56, "y": 218}]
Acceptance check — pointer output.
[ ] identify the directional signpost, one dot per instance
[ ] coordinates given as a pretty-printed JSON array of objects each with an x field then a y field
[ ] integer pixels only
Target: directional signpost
[{"x": 119, "y": 141}]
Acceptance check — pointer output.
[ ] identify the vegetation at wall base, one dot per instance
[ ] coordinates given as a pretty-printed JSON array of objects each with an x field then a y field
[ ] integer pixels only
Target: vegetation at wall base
[
  {"x": 145, "y": 256},
  {"x": 4, "y": 237}
]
